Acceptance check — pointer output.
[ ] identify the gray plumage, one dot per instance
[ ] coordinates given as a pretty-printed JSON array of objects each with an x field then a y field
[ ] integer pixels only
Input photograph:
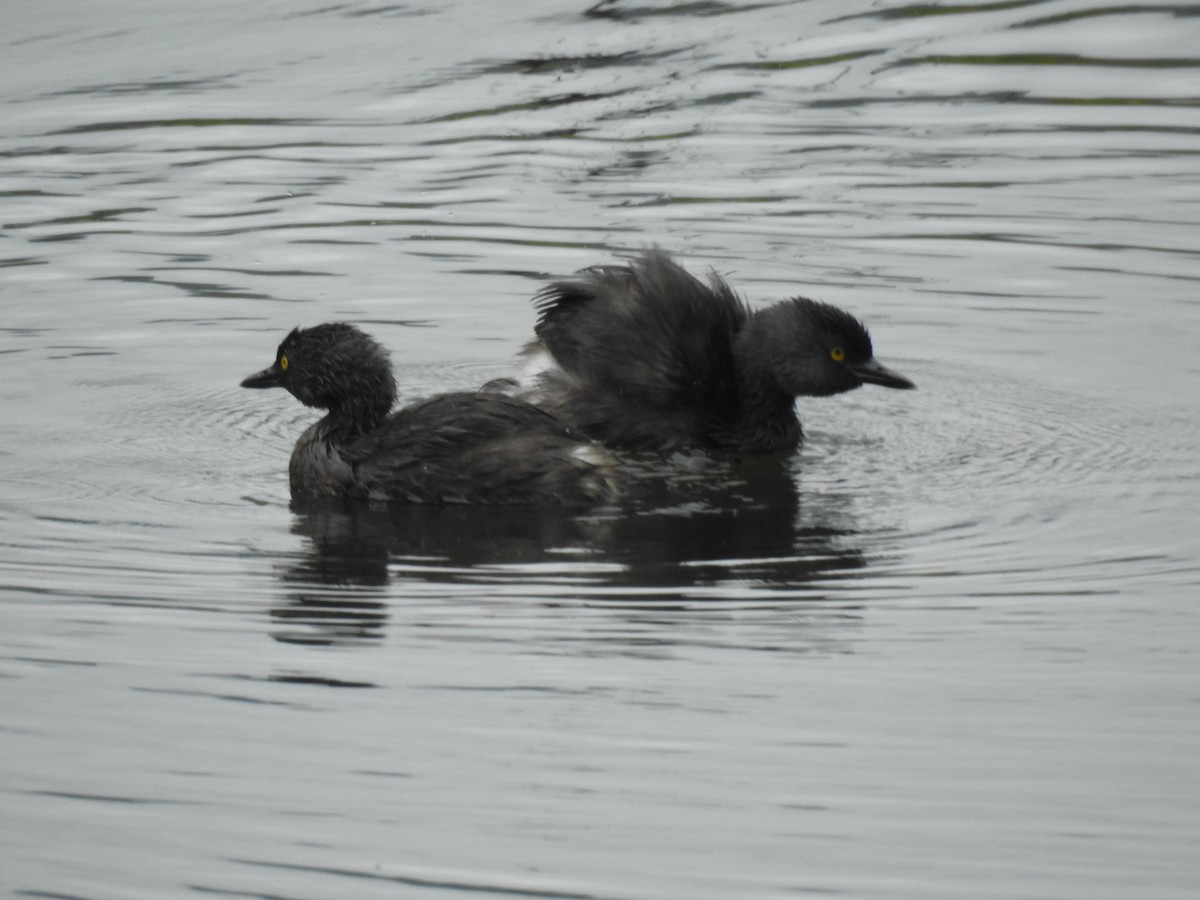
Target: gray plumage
[
  {"x": 645, "y": 356},
  {"x": 480, "y": 448}
]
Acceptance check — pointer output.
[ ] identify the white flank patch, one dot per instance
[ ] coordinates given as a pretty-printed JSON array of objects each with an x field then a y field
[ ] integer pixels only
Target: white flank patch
[
  {"x": 537, "y": 363},
  {"x": 591, "y": 454}
]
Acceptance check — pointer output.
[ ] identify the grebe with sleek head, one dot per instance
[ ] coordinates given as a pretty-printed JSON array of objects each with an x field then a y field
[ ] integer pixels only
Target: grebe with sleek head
[{"x": 645, "y": 356}]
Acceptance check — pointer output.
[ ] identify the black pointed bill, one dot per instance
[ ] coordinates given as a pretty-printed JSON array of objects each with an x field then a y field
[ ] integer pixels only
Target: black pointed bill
[
  {"x": 873, "y": 372},
  {"x": 267, "y": 378}
]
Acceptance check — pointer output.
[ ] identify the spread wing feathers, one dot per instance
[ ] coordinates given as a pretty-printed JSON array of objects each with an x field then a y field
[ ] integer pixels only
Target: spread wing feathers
[
  {"x": 478, "y": 448},
  {"x": 648, "y": 333}
]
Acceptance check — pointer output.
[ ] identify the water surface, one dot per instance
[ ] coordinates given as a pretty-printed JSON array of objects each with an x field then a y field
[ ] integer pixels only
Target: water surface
[{"x": 947, "y": 650}]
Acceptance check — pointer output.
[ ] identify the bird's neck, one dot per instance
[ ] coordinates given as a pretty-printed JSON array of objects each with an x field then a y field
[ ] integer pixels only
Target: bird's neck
[
  {"x": 766, "y": 413},
  {"x": 355, "y": 415}
]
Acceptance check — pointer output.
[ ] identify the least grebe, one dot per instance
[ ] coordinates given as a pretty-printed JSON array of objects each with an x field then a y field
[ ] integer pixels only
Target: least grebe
[
  {"x": 482, "y": 448},
  {"x": 644, "y": 356}
]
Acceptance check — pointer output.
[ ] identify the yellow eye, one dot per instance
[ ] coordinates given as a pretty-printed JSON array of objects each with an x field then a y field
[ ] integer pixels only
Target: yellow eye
[
  {"x": 283, "y": 363},
  {"x": 837, "y": 354}
]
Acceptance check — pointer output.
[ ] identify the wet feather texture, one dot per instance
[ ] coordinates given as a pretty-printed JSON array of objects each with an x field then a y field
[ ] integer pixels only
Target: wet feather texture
[
  {"x": 468, "y": 447},
  {"x": 646, "y": 356}
]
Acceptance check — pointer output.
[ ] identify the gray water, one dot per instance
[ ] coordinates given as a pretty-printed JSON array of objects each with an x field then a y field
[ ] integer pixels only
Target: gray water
[{"x": 950, "y": 649}]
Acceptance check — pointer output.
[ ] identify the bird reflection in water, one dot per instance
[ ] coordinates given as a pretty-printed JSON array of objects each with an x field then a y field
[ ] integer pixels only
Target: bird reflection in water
[{"x": 685, "y": 522}]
